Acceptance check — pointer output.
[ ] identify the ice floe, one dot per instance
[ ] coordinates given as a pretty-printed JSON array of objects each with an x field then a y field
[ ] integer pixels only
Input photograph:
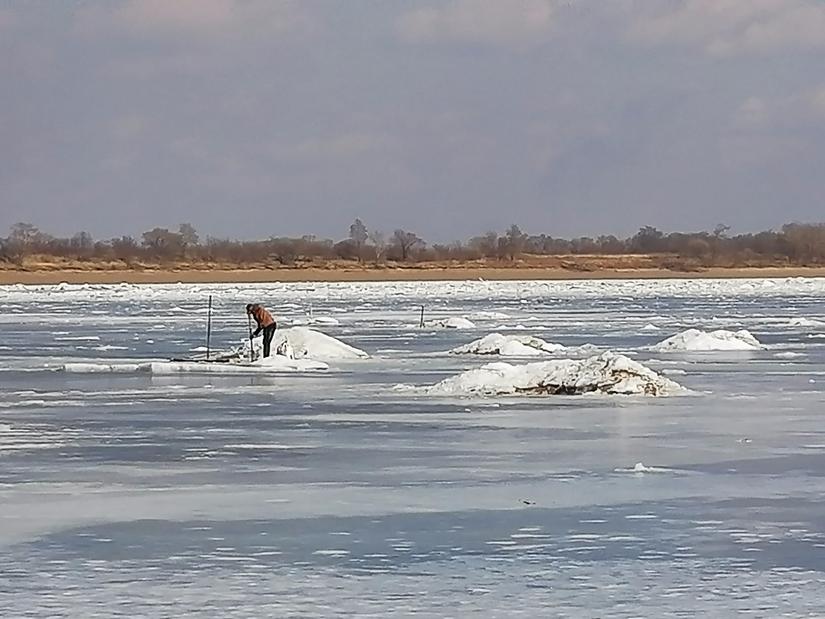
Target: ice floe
[
  {"x": 487, "y": 315},
  {"x": 272, "y": 364},
  {"x": 695, "y": 340},
  {"x": 640, "y": 467},
  {"x": 608, "y": 373},
  {"x": 453, "y": 322},
  {"x": 508, "y": 346},
  {"x": 323, "y": 321},
  {"x": 805, "y": 322}
]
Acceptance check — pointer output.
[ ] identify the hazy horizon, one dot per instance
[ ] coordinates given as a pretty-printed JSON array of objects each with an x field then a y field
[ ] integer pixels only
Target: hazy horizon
[{"x": 448, "y": 118}]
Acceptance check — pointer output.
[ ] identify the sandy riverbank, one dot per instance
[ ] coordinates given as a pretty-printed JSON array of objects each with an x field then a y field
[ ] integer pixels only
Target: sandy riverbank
[{"x": 405, "y": 274}]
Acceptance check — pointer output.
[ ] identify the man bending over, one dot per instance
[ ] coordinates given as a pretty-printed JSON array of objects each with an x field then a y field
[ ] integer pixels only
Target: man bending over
[{"x": 266, "y": 323}]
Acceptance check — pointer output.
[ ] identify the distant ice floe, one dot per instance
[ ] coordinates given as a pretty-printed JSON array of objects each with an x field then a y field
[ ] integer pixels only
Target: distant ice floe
[
  {"x": 805, "y": 322},
  {"x": 695, "y": 340},
  {"x": 607, "y": 373},
  {"x": 640, "y": 467},
  {"x": 508, "y": 346},
  {"x": 650, "y": 327},
  {"x": 302, "y": 342},
  {"x": 453, "y": 322},
  {"x": 323, "y": 321},
  {"x": 486, "y": 315}
]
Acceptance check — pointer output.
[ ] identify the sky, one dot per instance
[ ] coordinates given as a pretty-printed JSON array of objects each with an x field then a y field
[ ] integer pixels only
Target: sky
[{"x": 449, "y": 118}]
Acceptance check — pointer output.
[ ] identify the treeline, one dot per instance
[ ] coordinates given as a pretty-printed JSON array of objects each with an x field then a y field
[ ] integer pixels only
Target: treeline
[{"x": 794, "y": 244}]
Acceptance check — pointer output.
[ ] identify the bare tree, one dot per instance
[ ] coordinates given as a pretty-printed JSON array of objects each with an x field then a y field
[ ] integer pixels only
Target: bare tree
[
  {"x": 379, "y": 245},
  {"x": 512, "y": 243},
  {"x": 358, "y": 236},
  {"x": 405, "y": 242},
  {"x": 163, "y": 243}
]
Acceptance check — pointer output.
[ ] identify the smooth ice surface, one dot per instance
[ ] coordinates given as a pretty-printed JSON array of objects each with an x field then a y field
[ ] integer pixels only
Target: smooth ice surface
[
  {"x": 314, "y": 494},
  {"x": 696, "y": 340}
]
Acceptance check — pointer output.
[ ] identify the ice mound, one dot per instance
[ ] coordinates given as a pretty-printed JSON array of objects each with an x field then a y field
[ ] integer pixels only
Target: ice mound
[
  {"x": 306, "y": 343},
  {"x": 507, "y": 346},
  {"x": 694, "y": 340},
  {"x": 454, "y": 322},
  {"x": 608, "y": 373}
]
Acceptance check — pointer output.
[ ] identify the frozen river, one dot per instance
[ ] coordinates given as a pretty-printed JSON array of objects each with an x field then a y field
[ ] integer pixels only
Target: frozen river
[{"x": 127, "y": 494}]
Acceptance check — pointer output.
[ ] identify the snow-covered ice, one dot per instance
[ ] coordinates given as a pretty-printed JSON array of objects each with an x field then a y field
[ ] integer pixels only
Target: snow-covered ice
[
  {"x": 508, "y": 346},
  {"x": 309, "y": 343},
  {"x": 696, "y": 340},
  {"x": 607, "y": 373},
  {"x": 453, "y": 322}
]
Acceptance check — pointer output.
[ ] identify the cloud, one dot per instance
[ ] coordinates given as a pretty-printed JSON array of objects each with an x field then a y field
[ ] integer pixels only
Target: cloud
[
  {"x": 341, "y": 147},
  {"x": 736, "y": 27},
  {"x": 199, "y": 18},
  {"x": 802, "y": 109},
  {"x": 752, "y": 113},
  {"x": 817, "y": 101},
  {"x": 769, "y": 130},
  {"x": 512, "y": 22},
  {"x": 6, "y": 19}
]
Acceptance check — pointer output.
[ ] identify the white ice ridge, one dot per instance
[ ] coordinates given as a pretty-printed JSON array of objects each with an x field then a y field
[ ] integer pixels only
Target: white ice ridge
[
  {"x": 608, "y": 373},
  {"x": 272, "y": 364},
  {"x": 306, "y": 343},
  {"x": 695, "y": 340},
  {"x": 453, "y": 322},
  {"x": 508, "y": 346}
]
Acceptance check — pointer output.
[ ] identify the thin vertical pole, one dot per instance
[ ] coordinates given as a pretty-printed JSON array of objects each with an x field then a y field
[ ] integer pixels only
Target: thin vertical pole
[
  {"x": 208, "y": 327},
  {"x": 251, "y": 347},
  {"x": 421, "y": 322}
]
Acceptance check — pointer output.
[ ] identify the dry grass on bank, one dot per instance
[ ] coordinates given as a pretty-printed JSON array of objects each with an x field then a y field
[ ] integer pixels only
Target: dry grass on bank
[{"x": 46, "y": 270}]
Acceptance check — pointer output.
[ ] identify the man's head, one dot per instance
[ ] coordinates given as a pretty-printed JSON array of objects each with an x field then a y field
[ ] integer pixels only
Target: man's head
[{"x": 250, "y": 307}]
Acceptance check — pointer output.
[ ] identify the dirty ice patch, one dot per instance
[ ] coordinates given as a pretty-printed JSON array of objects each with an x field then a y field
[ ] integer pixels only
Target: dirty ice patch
[
  {"x": 695, "y": 340},
  {"x": 302, "y": 342},
  {"x": 508, "y": 346},
  {"x": 607, "y": 373}
]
